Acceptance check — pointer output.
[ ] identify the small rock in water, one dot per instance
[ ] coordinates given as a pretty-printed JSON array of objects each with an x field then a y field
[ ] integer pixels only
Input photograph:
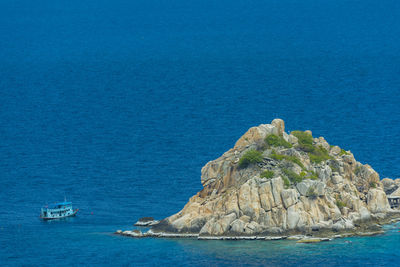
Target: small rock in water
[{"x": 146, "y": 221}]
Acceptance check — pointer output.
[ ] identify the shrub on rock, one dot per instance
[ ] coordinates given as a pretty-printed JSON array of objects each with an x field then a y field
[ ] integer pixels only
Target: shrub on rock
[
  {"x": 250, "y": 157},
  {"x": 274, "y": 140},
  {"x": 267, "y": 174}
]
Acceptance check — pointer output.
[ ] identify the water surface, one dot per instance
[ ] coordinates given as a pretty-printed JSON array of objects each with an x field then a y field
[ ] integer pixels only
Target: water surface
[{"x": 118, "y": 104}]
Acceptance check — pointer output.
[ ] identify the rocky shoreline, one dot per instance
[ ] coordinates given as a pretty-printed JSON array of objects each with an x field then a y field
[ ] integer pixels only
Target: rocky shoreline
[
  {"x": 275, "y": 185},
  {"x": 373, "y": 230}
]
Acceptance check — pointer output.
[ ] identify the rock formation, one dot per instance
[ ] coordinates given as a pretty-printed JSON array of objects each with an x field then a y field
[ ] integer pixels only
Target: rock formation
[
  {"x": 391, "y": 187},
  {"x": 272, "y": 182}
]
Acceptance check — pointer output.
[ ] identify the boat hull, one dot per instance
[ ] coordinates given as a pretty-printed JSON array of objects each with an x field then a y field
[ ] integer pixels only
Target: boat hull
[{"x": 57, "y": 218}]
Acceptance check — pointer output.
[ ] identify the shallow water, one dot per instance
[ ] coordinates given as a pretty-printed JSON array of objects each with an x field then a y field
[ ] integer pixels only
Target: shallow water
[{"x": 118, "y": 104}]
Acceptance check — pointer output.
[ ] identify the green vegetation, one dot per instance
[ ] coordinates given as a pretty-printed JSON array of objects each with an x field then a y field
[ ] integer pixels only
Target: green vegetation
[
  {"x": 305, "y": 140},
  {"x": 267, "y": 174},
  {"x": 372, "y": 184},
  {"x": 358, "y": 170},
  {"x": 309, "y": 175},
  {"x": 303, "y": 137},
  {"x": 286, "y": 182},
  {"x": 313, "y": 176},
  {"x": 340, "y": 204},
  {"x": 273, "y": 140},
  {"x": 311, "y": 193},
  {"x": 250, "y": 157},
  {"x": 293, "y": 159},
  {"x": 318, "y": 155},
  {"x": 343, "y": 152},
  {"x": 293, "y": 177},
  {"x": 275, "y": 156}
]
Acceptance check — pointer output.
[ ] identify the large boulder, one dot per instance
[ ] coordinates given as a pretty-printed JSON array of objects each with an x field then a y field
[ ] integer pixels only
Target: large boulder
[
  {"x": 266, "y": 197},
  {"x": 280, "y": 126},
  {"x": 306, "y": 186},
  {"x": 289, "y": 197},
  {"x": 377, "y": 201},
  {"x": 256, "y": 135},
  {"x": 237, "y": 226},
  {"x": 389, "y": 185},
  {"x": 337, "y": 178},
  {"x": 249, "y": 200}
]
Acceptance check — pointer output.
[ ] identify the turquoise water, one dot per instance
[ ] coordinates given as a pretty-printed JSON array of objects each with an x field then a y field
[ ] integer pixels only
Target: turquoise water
[{"x": 118, "y": 104}]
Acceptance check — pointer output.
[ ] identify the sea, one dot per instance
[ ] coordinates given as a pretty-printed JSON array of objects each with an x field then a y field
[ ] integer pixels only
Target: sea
[{"x": 117, "y": 105}]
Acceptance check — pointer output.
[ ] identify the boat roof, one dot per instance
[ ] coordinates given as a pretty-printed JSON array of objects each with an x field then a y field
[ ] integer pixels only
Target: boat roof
[{"x": 56, "y": 205}]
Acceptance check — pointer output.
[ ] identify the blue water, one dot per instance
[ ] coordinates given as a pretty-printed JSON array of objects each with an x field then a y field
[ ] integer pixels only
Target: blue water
[{"x": 118, "y": 104}]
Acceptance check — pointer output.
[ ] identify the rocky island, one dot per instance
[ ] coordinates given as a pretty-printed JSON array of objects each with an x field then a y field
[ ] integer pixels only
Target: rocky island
[{"x": 272, "y": 184}]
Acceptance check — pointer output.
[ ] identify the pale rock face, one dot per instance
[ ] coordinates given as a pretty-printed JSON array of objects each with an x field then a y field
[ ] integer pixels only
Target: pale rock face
[
  {"x": 297, "y": 169},
  {"x": 279, "y": 217},
  {"x": 352, "y": 201},
  {"x": 367, "y": 175},
  {"x": 266, "y": 197},
  {"x": 387, "y": 182},
  {"x": 237, "y": 226},
  {"x": 391, "y": 187},
  {"x": 304, "y": 187},
  {"x": 280, "y": 125},
  {"x": 245, "y": 218},
  {"x": 277, "y": 187},
  {"x": 364, "y": 214},
  {"x": 320, "y": 188},
  {"x": 324, "y": 172},
  {"x": 349, "y": 159},
  {"x": 335, "y": 151},
  {"x": 218, "y": 227},
  {"x": 245, "y": 204},
  {"x": 293, "y": 140},
  {"x": 232, "y": 204},
  {"x": 338, "y": 226},
  {"x": 325, "y": 224},
  {"x": 322, "y": 142},
  {"x": 289, "y": 197},
  {"x": 249, "y": 200},
  {"x": 226, "y": 221},
  {"x": 252, "y": 228},
  {"x": 217, "y": 169},
  {"x": 286, "y": 137},
  {"x": 337, "y": 179},
  {"x": 207, "y": 228},
  {"x": 355, "y": 216},
  {"x": 377, "y": 201},
  {"x": 237, "y": 200},
  {"x": 257, "y": 134},
  {"x": 293, "y": 217},
  {"x": 182, "y": 222}
]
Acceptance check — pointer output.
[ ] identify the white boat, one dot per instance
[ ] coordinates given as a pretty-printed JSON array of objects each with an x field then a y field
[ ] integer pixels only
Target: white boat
[{"x": 58, "y": 211}]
